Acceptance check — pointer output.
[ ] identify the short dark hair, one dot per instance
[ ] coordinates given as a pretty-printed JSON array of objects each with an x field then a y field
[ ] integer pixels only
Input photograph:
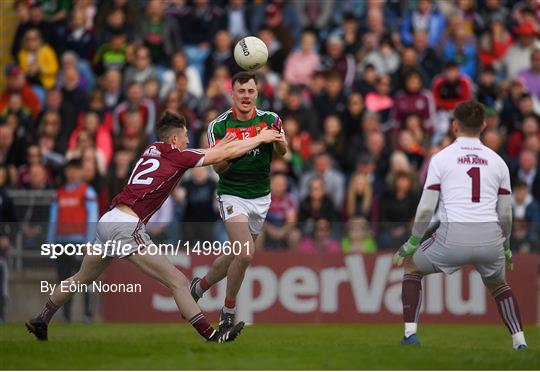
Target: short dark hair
[
  {"x": 243, "y": 77},
  {"x": 73, "y": 163},
  {"x": 169, "y": 122},
  {"x": 470, "y": 116}
]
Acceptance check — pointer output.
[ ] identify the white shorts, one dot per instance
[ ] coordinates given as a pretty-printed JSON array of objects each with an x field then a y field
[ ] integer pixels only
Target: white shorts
[
  {"x": 433, "y": 256},
  {"x": 127, "y": 233},
  {"x": 255, "y": 210}
]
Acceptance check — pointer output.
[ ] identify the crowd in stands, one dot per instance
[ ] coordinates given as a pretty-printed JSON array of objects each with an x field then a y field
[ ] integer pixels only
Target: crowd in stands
[{"x": 365, "y": 89}]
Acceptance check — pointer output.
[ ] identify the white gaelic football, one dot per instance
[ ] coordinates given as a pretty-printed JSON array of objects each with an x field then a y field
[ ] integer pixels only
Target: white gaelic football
[{"x": 250, "y": 53}]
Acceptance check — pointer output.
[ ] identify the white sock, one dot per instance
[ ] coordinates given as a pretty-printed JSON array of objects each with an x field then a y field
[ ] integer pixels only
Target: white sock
[
  {"x": 410, "y": 329},
  {"x": 229, "y": 310},
  {"x": 518, "y": 339}
]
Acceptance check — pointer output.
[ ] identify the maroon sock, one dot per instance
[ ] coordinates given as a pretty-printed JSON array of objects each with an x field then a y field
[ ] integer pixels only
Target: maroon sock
[
  {"x": 230, "y": 303},
  {"x": 204, "y": 284},
  {"x": 48, "y": 311},
  {"x": 508, "y": 308},
  {"x": 411, "y": 296},
  {"x": 202, "y": 326}
]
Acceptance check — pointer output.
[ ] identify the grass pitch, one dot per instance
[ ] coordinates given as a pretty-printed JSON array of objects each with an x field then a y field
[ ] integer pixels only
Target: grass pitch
[{"x": 173, "y": 346}]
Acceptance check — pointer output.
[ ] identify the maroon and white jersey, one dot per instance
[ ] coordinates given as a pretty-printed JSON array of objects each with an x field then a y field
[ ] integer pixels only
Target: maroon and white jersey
[
  {"x": 470, "y": 177},
  {"x": 154, "y": 177}
]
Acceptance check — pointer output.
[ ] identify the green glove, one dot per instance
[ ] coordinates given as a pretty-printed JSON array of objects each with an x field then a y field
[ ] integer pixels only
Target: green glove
[
  {"x": 508, "y": 256},
  {"x": 407, "y": 249}
]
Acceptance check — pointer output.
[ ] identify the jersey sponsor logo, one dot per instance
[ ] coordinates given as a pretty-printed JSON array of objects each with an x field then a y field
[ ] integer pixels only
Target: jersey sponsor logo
[
  {"x": 472, "y": 159},
  {"x": 152, "y": 151}
]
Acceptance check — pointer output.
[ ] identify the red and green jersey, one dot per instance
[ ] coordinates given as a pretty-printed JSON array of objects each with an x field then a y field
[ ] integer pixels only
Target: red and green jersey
[{"x": 248, "y": 176}]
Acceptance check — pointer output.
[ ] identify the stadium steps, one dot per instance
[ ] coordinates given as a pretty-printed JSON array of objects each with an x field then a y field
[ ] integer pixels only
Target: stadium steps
[{"x": 8, "y": 24}]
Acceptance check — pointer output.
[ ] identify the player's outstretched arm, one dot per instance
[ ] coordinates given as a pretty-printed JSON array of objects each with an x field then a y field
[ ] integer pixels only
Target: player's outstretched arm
[
  {"x": 229, "y": 149},
  {"x": 424, "y": 213}
]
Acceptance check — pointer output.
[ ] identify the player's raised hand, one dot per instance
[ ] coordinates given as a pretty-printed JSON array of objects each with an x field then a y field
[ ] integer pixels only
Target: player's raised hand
[
  {"x": 508, "y": 256},
  {"x": 407, "y": 249},
  {"x": 269, "y": 135}
]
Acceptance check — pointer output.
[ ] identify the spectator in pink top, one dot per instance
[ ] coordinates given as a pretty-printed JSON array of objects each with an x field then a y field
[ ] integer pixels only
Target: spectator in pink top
[
  {"x": 301, "y": 64},
  {"x": 321, "y": 241}
]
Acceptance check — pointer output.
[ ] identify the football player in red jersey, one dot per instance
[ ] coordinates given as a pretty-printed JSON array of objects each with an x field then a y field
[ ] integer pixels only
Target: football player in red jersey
[{"x": 153, "y": 178}]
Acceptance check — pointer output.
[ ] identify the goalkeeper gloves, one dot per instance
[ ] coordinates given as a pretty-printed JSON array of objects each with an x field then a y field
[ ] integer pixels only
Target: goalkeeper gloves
[
  {"x": 508, "y": 256},
  {"x": 407, "y": 249}
]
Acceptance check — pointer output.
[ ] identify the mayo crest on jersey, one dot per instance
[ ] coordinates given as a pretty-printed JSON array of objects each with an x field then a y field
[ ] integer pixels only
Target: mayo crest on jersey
[
  {"x": 249, "y": 175},
  {"x": 470, "y": 177}
]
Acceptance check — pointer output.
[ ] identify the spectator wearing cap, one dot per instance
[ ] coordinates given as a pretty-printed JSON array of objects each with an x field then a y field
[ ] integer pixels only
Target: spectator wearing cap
[
  {"x": 301, "y": 64},
  {"x": 72, "y": 219},
  {"x": 531, "y": 76},
  {"x": 37, "y": 60},
  {"x": 518, "y": 57},
  {"x": 424, "y": 18},
  {"x": 451, "y": 88}
]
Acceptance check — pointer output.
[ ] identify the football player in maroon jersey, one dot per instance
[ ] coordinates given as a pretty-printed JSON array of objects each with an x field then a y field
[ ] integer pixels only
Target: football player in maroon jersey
[{"x": 153, "y": 178}]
